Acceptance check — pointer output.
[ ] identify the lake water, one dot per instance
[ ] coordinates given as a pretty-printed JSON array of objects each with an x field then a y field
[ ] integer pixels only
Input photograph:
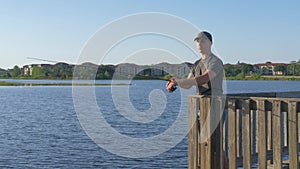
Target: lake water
[{"x": 39, "y": 126}]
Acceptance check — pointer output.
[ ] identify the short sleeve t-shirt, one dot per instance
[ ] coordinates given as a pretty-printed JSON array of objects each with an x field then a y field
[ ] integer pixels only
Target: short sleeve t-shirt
[{"x": 215, "y": 85}]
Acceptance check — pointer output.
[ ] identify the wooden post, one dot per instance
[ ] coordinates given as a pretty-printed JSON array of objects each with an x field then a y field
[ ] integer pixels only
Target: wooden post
[
  {"x": 269, "y": 130},
  {"x": 293, "y": 134},
  {"x": 205, "y": 147},
  {"x": 193, "y": 108},
  {"x": 247, "y": 161},
  {"x": 262, "y": 135},
  {"x": 285, "y": 129},
  {"x": 217, "y": 111},
  {"x": 253, "y": 130},
  {"x": 232, "y": 134},
  {"x": 277, "y": 144},
  {"x": 239, "y": 145}
]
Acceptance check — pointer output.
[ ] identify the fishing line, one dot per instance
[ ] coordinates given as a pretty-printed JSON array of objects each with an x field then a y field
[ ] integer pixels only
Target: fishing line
[{"x": 174, "y": 87}]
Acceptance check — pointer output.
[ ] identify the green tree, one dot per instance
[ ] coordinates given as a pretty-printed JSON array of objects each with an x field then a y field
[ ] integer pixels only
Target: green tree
[
  {"x": 7, "y": 74},
  {"x": 255, "y": 76},
  {"x": 69, "y": 73},
  {"x": 240, "y": 76},
  {"x": 16, "y": 72},
  {"x": 247, "y": 68},
  {"x": 109, "y": 71},
  {"x": 168, "y": 76},
  {"x": 100, "y": 72},
  {"x": 107, "y": 75},
  {"x": 232, "y": 70},
  {"x": 58, "y": 70},
  {"x": 279, "y": 69},
  {"x": 38, "y": 72},
  {"x": 292, "y": 68}
]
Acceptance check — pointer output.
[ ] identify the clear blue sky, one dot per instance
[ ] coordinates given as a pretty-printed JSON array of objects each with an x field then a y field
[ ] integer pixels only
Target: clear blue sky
[{"x": 245, "y": 31}]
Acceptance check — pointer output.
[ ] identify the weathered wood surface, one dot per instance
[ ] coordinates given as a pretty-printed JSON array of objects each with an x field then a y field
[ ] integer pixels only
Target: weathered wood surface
[
  {"x": 277, "y": 144},
  {"x": 193, "y": 104},
  {"x": 261, "y": 130},
  {"x": 262, "y": 135},
  {"x": 293, "y": 135},
  {"x": 247, "y": 160},
  {"x": 205, "y": 140},
  {"x": 232, "y": 134}
]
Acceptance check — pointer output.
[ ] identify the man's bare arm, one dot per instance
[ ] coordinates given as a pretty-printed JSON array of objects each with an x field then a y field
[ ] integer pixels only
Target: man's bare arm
[
  {"x": 191, "y": 80},
  {"x": 197, "y": 80}
]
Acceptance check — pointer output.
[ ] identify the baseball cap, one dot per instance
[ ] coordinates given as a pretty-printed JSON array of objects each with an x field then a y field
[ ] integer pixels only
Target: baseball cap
[{"x": 204, "y": 35}]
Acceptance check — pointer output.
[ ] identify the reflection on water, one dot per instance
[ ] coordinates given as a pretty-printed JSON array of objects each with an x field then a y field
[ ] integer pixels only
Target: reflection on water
[{"x": 39, "y": 127}]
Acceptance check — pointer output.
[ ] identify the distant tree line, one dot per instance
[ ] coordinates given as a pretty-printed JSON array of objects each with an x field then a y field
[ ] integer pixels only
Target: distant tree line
[
  {"x": 65, "y": 71},
  {"x": 60, "y": 72},
  {"x": 240, "y": 71},
  {"x": 78, "y": 72},
  {"x": 37, "y": 72}
]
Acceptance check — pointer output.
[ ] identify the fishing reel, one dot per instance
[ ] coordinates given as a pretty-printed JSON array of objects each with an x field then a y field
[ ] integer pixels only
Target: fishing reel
[{"x": 173, "y": 87}]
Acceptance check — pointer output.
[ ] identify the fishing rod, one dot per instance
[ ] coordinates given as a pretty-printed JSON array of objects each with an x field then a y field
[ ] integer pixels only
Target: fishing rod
[
  {"x": 174, "y": 87},
  {"x": 126, "y": 73},
  {"x": 34, "y": 58},
  {"x": 141, "y": 75}
]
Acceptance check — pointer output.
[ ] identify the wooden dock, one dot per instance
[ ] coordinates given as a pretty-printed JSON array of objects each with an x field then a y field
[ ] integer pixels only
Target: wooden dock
[{"x": 260, "y": 130}]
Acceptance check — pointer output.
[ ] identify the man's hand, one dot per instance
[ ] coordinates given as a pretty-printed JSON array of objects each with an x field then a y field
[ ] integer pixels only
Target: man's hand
[{"x": 171, "y": 85}]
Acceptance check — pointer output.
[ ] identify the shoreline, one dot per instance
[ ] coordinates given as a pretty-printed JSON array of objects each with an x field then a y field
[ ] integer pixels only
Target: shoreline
[
  {"x": 9, "y": 83},
  {"x": 284, "y": 78},
  {"x": 2, "y": 83}
]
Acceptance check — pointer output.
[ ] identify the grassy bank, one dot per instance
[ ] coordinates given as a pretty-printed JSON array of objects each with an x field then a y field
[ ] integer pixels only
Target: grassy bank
[
  {"x": 281, "y": 77},
  {"x": 264, "y": 78},
  {"x": 57, "y": 84}
]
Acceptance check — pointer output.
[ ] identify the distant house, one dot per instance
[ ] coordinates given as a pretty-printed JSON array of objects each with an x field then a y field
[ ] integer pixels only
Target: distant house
[
  {"x": 161, "y": 69},
  {"x": 178, "y": 70},
  {"x": 27, "y": 69},
  {"x": 270, "y": 68},
  {"x": 128, "y": 69}
]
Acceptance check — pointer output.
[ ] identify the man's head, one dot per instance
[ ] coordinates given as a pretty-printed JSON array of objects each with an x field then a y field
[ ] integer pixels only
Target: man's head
[
  {"x": 203, "y": 36},
  {"x": 204, "y": 42}
]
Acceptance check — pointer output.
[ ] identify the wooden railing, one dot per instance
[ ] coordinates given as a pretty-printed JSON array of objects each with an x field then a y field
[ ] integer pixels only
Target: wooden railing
[{"x": 262, "y": 130}]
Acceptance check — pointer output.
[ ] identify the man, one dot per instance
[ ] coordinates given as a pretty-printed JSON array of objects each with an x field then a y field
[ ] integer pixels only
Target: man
[{"x": 207, "y": 73}]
